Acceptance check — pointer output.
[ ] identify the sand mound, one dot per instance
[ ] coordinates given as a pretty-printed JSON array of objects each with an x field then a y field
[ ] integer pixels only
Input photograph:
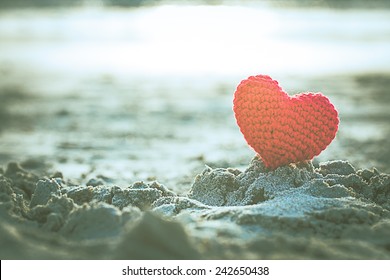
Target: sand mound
[{"x": 294, "y": 212}]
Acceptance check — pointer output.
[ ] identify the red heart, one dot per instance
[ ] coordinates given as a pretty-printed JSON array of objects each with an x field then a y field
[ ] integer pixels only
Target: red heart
[{"x": 283, "y": 129}]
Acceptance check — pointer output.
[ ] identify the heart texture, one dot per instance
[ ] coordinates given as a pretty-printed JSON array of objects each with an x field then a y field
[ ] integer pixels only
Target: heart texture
[{"x": 283, "y": 129}]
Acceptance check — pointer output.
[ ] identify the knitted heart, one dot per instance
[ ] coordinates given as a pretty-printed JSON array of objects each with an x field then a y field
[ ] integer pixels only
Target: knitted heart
[{"x": 283, "y": 129}]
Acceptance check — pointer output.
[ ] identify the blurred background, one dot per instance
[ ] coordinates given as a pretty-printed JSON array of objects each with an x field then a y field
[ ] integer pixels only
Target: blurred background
[{"x": 142, "y": 90}]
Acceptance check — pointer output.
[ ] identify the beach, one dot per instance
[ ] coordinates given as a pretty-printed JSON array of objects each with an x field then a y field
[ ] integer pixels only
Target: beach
[{"x": 118, "y": 141}]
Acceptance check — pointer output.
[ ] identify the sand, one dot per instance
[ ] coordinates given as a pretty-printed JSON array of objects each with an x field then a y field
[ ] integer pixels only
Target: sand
[
  {"x": 329, "y": 211},
  {"x": 177, "y": 181},
  {"x": 109, "y": 178}
]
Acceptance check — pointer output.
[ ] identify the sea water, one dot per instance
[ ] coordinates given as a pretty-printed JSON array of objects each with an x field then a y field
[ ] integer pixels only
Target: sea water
[{"x": 197, "y": 40}]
